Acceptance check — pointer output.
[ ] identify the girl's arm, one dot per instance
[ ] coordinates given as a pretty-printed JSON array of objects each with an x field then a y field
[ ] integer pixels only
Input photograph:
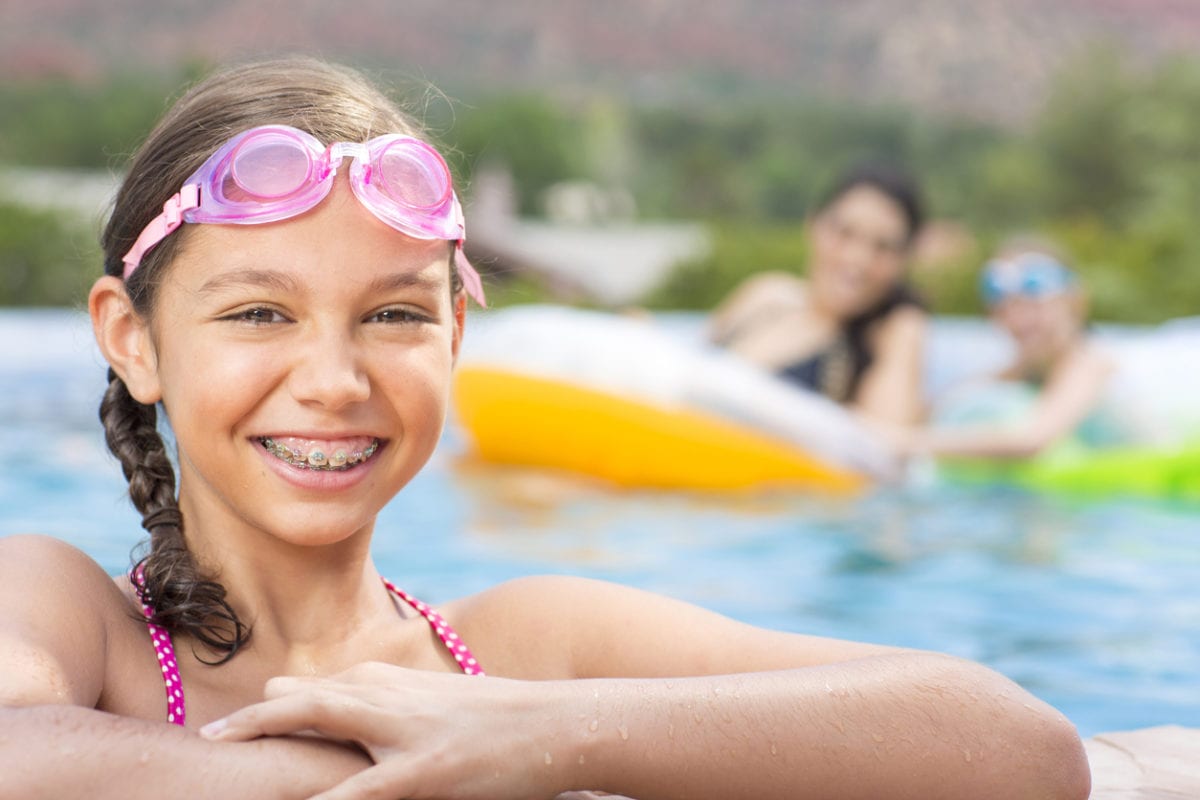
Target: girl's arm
[
  {"x": 1064, "y": 403},
  {"x": 57, "y": 632},
  {"x": 57, "y": 751},
  {"x": 763, "y": 715},
  {"x": 892, "y": 389}
]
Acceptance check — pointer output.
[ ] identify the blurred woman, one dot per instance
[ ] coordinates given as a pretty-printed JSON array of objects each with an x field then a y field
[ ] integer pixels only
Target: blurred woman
[{"x": 853, "y": 330}]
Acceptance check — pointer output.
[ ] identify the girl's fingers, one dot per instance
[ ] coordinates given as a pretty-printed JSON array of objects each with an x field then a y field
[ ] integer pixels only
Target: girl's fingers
[{"x": 332, "y": 714}]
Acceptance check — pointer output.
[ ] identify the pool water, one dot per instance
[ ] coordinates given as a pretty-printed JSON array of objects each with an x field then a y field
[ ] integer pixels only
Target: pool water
[{"x": 1093, "y": 606}]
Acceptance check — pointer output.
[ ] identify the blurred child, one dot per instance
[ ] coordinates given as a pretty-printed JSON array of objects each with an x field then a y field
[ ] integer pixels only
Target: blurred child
[{"x": 1054, "y": 386}]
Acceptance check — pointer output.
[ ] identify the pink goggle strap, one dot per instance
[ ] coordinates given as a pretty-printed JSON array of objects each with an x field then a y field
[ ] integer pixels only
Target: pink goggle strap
[
  {"x": 470, "y": 276},
  {"x": 162, "y": 226}
]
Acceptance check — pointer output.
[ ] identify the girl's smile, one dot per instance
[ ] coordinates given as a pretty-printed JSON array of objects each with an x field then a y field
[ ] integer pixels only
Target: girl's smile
[
  {"x": 321, "y": 465},
  {"x": 324, "y": 455}
]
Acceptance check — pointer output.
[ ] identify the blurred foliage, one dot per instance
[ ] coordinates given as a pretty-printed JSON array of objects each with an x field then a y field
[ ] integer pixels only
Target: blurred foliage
[
  {"x": 702, "y": 283},
  {"x": 46, "y": 260},
  {"x": 63, "y": 124},
  {"x": 529, "y": 135},
  {"x": 1110, "y": 168}
]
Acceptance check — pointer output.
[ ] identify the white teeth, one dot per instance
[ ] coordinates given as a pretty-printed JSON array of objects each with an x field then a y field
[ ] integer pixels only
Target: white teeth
[{"x": 317, "y": 459}]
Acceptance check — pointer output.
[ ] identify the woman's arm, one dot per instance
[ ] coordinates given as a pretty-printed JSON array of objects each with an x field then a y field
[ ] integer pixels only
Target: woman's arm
[
  {"x": 61, "y": 617},
  {"x": 765, "y": 292},
  {"x": 820, "y": 719},
  {"x": 892, "y": 388},
  {"x": 1064, "y": 403}
]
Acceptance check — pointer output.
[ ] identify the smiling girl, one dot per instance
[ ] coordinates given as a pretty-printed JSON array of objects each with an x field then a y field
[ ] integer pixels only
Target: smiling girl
[{"x": 284, "y": 281}]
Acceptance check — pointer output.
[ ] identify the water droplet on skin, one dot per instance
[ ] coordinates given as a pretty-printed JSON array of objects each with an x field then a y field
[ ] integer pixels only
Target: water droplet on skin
[
  {"x": 774, "y": 749},
  {"x": 549, "y": 759},
  {"x": 671, "y": 731},
  {"x": 621, "y": 729},
  {"x": 967, "y": 756},
  {"x": 581, "y": 759},
  {"x": 593, "y": 725}
]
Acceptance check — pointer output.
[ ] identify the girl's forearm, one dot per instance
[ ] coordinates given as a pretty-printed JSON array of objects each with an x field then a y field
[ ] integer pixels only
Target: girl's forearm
[
  {"x": 69, "y": 751},
  {"x": 909, "y": 725}
]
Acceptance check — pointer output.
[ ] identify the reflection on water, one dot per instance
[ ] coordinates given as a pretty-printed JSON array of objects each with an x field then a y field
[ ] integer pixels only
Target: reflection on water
[{"x": 1092, "y": 606}]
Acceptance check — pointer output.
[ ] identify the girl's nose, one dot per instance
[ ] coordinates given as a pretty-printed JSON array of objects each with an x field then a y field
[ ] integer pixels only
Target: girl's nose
[{"x": 328, "y": 371}]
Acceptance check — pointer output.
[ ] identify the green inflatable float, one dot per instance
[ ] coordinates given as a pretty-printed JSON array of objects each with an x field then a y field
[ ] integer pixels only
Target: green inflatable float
[{"x": 1097, "y": 461}]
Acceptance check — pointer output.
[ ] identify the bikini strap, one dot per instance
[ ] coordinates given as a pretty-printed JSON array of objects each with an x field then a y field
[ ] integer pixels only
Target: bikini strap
[
  {"x": 176, "y": 708},
  {"x": 173, "y": 684},
  {"x": 462, "y": 654}
]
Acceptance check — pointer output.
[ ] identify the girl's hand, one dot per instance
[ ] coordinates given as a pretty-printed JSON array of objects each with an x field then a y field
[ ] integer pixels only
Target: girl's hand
[{"x": 429, "y": 734}]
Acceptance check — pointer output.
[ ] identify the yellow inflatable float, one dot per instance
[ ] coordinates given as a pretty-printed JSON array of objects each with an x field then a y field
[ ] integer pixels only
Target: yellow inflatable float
[{"x": 627, "y": 402}]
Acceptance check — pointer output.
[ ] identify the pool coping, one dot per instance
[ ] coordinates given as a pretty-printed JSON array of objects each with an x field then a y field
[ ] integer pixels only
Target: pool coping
[{"x": 1160, "y": 763}]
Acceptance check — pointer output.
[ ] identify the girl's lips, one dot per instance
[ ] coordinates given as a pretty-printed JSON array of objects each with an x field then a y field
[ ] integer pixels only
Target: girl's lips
[{"x": 321, "y": 454}]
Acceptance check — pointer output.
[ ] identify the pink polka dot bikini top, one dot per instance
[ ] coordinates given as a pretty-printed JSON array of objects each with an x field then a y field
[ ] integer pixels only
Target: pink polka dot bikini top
[{"x": 176, "y": 709}]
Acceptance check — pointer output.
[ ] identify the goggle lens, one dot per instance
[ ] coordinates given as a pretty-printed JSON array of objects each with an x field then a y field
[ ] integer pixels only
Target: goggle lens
[
  {"x": 407, "y": 173},
  {"x": 1032, "y": 276},
  {"x": 268, "y": 168}
]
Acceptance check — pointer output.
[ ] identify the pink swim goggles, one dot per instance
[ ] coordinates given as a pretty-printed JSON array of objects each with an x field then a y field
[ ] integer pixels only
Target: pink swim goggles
[{"x": 275, "y": 172}]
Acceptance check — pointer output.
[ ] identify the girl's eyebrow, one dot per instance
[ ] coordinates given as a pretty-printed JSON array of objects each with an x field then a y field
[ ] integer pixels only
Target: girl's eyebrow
[
  {"x": 261, "y": 278},
  {"x": 405, "y": 280}
]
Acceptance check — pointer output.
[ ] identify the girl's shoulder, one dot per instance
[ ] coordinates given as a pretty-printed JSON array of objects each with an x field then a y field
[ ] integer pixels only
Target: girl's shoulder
[
  {"x": 61, "y": 615},
  {"x": 61, "y": 572},
  {"x": 556, "y": 627},
  {"x": 548, "y": 627}
]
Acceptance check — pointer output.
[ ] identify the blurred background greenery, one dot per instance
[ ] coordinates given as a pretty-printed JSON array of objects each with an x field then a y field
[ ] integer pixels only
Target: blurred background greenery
[{"x": 1108, "y": 165}]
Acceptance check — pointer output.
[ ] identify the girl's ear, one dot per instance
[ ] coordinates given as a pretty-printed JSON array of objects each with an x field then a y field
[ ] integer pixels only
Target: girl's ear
[
  {"x": 124, "y": 339},
  {"x": 460, "y": 320}
]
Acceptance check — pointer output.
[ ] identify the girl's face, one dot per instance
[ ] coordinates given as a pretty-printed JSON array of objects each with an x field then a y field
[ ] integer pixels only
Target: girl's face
[
  {"x": 857, "y": 251},
  {"x": 1042, "y": 328},
  {"x": 329, "y": 335}
]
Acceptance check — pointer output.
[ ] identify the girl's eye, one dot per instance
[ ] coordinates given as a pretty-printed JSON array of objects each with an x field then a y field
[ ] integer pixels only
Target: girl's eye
[
  {"x": 398, "y": 315},
  {"x": 257, "y": 316}
]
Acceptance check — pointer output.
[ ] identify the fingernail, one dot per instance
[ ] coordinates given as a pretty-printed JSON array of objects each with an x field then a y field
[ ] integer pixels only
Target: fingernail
[{"x": 214, "y": 729}]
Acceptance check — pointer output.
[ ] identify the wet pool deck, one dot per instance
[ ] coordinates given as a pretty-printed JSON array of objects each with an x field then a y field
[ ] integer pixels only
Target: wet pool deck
[{"x": 1160, "y": 763}]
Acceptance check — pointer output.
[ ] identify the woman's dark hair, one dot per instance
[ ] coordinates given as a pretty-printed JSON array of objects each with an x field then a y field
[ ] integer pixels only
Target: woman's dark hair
[
  {"x": 889, "y": 180},
  {"x": 330, "y": 102},
  {"x": 901, "y": 188}
]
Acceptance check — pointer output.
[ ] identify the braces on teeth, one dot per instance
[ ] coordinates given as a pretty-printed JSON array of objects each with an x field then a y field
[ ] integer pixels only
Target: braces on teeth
[{"x": 319, "y": 460}]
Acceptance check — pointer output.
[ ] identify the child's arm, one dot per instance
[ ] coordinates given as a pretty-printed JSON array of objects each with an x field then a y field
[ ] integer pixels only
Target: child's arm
[
  {"x": 57, "y": 751},
  {"x": 1063, "y": 404},
  {"x": 765, "y": 715},
  {"x": 54, "y": 646}
]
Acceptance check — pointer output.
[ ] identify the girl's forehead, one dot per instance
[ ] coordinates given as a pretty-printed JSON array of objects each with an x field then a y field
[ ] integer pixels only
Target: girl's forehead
[{"x": 334, "y": 244}]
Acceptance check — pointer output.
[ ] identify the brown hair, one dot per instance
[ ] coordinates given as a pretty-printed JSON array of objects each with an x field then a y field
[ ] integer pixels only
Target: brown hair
[{"x": 332, "y": 103}]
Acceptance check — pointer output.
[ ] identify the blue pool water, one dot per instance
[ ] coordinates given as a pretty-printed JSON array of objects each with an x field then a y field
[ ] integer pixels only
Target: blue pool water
[{"x": 1093, "y": 606}]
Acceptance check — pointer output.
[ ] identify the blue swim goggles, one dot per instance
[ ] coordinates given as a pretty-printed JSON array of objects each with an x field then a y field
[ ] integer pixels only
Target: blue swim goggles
[{"x": 1033, "y": 275}]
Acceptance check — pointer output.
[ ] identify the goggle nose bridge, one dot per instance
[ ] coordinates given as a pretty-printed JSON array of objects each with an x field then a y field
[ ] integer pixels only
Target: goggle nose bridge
[{"x": 336, "y": 152}]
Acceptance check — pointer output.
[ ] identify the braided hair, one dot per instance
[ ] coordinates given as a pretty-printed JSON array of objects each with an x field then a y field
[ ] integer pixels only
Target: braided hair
[{"x": 332, "y": 103}]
